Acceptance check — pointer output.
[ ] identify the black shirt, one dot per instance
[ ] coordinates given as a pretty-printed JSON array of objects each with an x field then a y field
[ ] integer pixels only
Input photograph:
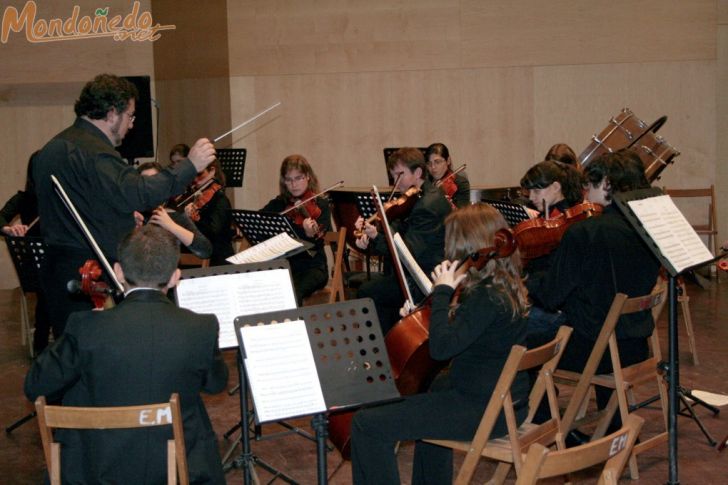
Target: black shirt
[{"x": 596, "y": 259}]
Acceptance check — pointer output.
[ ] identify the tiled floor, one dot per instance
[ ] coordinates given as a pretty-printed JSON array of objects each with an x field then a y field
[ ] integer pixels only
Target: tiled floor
[{"x": 21, "y": 458}]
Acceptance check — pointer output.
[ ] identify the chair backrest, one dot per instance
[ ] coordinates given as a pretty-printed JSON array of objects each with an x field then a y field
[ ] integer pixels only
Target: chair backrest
[
  {"x": 613, "y": 449},
  {"x": 547, "y": 357},
  {"x": 621, "y": 305},
  {"x": 710, "y": 227},
  {"x": 336, "y": 240},
  {"x": 163, "y": 414},
  {"x": 27, "y": 253}
]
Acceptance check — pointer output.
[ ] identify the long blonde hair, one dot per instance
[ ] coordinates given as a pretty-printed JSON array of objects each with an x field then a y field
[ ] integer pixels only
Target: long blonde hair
[{"x": 473, "y": 227}]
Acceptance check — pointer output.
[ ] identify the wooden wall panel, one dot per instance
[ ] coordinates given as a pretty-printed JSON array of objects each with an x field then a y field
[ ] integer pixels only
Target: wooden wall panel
[
  {"x": 341, "y": 123},
  {"x": 533, "y": 32},
  {"x": 269, "y": 38},
  {"x": 721, "y": 160},
  {"x": 192, "y": 109},
  {"x": 198, "y": 47}
]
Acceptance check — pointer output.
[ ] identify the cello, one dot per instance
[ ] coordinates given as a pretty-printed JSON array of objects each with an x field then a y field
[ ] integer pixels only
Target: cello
[{"x": 408, "y": 343}]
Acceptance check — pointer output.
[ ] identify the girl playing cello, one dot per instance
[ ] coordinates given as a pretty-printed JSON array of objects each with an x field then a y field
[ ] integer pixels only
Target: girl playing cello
[
  {"x": 310, "y": 221},
  {"x": 477, "y": 333}
]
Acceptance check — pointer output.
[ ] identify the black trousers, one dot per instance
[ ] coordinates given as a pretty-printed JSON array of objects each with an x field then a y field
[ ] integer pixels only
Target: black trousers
[
  {"x": 307, "y": 281},
  {"x": 443, "y": 414},
  {"x": 388, "y": 298}
]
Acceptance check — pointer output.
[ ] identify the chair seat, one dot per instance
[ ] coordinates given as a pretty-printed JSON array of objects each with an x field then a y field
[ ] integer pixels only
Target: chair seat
[{"x": 500, "y": 448}]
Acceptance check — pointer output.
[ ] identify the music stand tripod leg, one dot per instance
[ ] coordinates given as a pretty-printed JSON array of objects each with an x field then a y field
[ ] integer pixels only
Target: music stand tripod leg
[
  {"x": 20, "y": 422},
  {"x": 247, "y": 460}
]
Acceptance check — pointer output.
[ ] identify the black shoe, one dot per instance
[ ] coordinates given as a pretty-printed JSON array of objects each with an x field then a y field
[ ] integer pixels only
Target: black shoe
[{"x": 576, "y": 438}]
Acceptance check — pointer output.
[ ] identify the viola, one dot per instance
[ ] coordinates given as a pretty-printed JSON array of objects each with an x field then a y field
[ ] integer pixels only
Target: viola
[
  {"x": 408, "y": 344},
  {"x": 202, "y": 199},
  {"x": 539, "y": 237}
]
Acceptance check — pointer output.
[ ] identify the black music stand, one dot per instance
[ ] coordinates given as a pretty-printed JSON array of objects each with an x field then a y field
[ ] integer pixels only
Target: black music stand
[
  {"x": 675, "y": 261},
  {"x": 365, "y": 204},
  {"x": 257, "y": 226},
  {"x": 27, "y": 254},
  {"x": 388, "y": 152},
  {"x": 350, "y": 357},
  {"x": 512, "y": 213},
  {"x": 228, "y": 340},
  {"x": 232, "y": 162}
]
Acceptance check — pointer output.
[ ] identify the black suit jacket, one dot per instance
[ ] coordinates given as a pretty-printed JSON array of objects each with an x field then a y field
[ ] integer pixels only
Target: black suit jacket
[{"x": 139, "y": 352}]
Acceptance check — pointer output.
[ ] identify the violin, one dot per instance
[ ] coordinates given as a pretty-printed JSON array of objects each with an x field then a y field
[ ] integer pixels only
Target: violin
[
  {"x": 448, "y": 184},
  {"x": 408, "y": 344},
  {"x": 307, "y": 208},
  {"x": 398, "y": 208},
  {"x": 539, "y": 237},
  {"x": 201, "y": 199},
  {"x": 91, "y": 285}
]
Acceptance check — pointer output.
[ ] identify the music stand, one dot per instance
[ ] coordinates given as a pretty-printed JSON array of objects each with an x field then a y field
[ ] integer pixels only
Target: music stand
[
  {"x": 232, "y": 162},
  {"x": 27, "y": 254},
  {"x": 388, "y": 152},
  {"x": 677, "y": 246},
  {"x": 350, "y": 357},
  {"x": 365, "y": 204},
  {"x": 512, "y": 213},
  {"x": 257, "y": 226},
  {"x": 196, "y": 298}
]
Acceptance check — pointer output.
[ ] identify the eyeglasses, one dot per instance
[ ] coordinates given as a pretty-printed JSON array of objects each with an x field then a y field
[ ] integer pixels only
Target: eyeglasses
[
  {"x": 437, "y": 161},
  {"x": 131, "y": 117},
  {"x": 291, "y": 180}
]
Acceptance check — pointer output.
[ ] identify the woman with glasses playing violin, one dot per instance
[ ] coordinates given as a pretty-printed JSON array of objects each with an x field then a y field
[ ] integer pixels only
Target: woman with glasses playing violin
[
  {"x": 439, "y": 166},
  {"x": 477, "y": 332},
  {"x": 310, "y": 221}
]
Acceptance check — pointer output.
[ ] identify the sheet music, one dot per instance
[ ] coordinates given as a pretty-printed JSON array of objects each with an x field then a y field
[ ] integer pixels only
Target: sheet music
[
  {"x": 675, "y": 237},
  {"x": 272, "y": 248},
  {"x": 412, "y": 267},
  {"x": 281, "y": 371},
  {"x": 231, "y": 295}
]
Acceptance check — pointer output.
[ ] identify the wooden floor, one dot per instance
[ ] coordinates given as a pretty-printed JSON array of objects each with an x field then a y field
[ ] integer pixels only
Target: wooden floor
[{"x": 21, "y": 458}]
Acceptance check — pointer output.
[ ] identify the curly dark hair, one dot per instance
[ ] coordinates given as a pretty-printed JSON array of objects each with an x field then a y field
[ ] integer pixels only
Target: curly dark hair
[
  {"x": 623, "y": 170},
  {"x": 105, "y": 92}
]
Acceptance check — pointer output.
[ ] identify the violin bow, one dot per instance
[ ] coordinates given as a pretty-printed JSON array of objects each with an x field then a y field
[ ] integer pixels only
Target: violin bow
[
  {"x": 315, "y": 196},
  {"x": 87, "y": 234},
  {"x": 248, "y": 121},
  {"x": 392, "y": 249}
]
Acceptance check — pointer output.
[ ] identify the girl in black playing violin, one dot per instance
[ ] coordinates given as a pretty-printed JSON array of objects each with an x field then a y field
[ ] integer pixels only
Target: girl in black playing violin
[
  {"x": 209, "y": 209},
  {"x": 553, "y": 187},
  {"x": 310, "y": 220},
  {"x": 477, "y": 333}
]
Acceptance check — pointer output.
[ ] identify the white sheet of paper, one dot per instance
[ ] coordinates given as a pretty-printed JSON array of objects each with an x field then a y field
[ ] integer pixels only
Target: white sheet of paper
[
  {"x": 281, "y": 371},
  {"x": 409, "y": 262},
  {"x": 232, "y": 295},
  {"x": 675, "y": 237},
  {"x": 267, "y": 250}
]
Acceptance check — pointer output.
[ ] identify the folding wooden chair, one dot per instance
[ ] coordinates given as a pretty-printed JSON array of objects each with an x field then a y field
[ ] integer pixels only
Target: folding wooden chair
[
  {"x": 336, "y": 242},
  {"x": 613, "y": 449},
  {"x": 168, "y": 413},
  {"x": 508, "y": 450},
  {"x": 623, "y": 379}
]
